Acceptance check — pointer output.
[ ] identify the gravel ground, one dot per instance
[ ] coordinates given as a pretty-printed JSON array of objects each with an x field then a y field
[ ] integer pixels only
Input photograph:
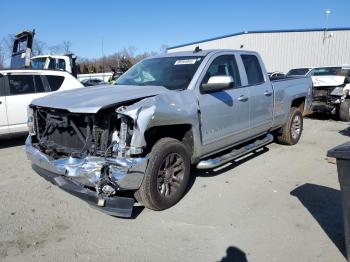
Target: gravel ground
[{"x": 282, "y": 204}]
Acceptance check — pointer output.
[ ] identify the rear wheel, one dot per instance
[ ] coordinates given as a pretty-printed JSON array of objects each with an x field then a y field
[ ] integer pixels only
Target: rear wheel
[
  {"x": 166, "y": 176},
  {"x": 344, "y": 111},
  {"x": 290, "y": 133}
]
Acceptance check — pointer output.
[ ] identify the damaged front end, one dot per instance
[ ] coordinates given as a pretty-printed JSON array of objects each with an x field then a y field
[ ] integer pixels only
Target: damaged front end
[
  {"x": 88, "y": 155},
  {"x": 102, "y": 157},
  {"x": 328, "y": 93}
]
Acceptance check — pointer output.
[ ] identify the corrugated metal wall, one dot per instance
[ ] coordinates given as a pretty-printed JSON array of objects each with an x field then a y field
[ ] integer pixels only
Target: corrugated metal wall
[{"x": 285, "y": 50}]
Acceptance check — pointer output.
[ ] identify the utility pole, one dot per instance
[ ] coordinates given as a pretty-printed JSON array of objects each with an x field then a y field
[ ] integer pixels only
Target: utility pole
[{"x": 328, "y": 12}]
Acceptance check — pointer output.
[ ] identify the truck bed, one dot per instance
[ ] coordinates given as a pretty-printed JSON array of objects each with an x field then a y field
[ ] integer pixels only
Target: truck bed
[{"x": 287, "y": 89}]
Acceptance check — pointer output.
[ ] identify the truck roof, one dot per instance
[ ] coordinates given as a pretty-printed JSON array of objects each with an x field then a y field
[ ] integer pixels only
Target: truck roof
[
  {"x": 53, "y": 56},
  {"x": 201, "y": 52},
  {"x": 32, "y": 71}
]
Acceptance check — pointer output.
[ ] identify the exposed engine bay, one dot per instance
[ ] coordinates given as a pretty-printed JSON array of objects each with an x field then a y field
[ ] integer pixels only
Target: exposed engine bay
[{"x": 60, "y": 133}]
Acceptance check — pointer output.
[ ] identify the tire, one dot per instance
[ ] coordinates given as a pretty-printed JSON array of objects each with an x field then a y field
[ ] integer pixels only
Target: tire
[
  {"x": 290, "y": 133},
  {"x": 344, "y": 111},
  {"x": 166, "y": 177}
]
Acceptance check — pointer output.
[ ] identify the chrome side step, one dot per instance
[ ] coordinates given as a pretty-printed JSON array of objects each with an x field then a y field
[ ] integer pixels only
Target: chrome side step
[{"x": 235, "y": 153}]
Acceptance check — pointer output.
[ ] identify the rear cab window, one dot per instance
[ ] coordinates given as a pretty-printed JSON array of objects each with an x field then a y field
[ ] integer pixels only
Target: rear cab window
[{"x": 253, "y": 69}]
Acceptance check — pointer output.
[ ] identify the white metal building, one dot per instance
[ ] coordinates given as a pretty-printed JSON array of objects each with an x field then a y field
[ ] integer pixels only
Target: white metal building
[{"x": 282, "y": 50}]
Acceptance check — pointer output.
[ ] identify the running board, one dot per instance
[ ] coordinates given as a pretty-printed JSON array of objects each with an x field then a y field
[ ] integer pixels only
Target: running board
[{"x": 220, "y": 160}]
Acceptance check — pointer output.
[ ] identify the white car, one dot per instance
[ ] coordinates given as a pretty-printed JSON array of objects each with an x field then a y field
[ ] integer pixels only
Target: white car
[{"x": 19, "y": 87}]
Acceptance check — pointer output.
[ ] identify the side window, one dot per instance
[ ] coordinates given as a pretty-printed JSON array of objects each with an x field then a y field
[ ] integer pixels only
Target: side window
[
  {"x": 21, "y": 84},
  {"x": 253, "y": 69},
  {"x": 55, "y": 82},
  {"x": 52, "y": 63},
  {"x": 2, "y": 85},
  {"x": 61, "y": 64},
  {"x": 223, "y": 66},
  {"x": 39, "y": 87}
]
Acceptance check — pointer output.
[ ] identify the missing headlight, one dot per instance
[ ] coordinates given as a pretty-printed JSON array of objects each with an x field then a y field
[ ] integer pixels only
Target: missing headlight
[{"x": 31, "y": 121}]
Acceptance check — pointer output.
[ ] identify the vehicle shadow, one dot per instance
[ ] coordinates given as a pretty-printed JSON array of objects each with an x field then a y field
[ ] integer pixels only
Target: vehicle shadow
[
  {"x": 136, "y": 211},
  {"x": 234, "y": 254},
  {"x": 7, "y": 142},
  {"x": 320, "y": 116},
  {"x": 345, "y": 132},
  {"x": 324, "y": 204}
]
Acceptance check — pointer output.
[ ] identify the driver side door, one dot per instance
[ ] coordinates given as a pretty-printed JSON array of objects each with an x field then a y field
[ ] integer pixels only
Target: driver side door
[{"x": 225, "y": 113}]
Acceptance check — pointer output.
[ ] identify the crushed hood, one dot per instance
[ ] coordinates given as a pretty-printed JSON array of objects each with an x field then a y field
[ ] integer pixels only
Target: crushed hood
[
  {"x": 319, "y": 81},
  {"x": 92, "y": 99}
]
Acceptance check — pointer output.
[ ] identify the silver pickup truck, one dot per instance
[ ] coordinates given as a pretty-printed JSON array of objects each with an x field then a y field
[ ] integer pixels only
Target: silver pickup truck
[{"x": 138, "y": 140}]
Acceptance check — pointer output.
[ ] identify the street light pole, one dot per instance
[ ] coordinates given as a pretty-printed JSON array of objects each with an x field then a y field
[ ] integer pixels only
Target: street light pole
[{"x": 328, "y": 12}]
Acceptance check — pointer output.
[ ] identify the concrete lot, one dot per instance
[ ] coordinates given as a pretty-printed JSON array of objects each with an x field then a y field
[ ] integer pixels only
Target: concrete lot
[{"x": 282, "y": 204}]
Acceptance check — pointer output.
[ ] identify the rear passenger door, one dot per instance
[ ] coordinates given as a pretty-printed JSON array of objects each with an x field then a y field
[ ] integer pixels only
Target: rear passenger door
[
  {"x": 3, "y": 114},
  {"x": 261, "y": 95},
  {"x": 22, "y": 89}
]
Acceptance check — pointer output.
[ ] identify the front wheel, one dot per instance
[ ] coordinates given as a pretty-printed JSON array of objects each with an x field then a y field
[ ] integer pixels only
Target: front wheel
[
  {"x": 344, "y": 110},
  {"x": 166, "y": 176},
  {"x": 290, "y": 133}
]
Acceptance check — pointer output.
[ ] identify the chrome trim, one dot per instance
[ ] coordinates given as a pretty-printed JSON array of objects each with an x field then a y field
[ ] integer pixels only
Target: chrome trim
[
  {"x": 126, "y": 173},
  {"x": 223, "y": 159}
]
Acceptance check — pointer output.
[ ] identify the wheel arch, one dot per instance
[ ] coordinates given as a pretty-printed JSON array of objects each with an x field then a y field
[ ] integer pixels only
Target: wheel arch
[
  {"x": 181, "y": 132},
  {"x": 299, "y": 103}
]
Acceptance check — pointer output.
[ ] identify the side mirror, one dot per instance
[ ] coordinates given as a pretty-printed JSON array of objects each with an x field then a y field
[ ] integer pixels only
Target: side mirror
[{"x": 218, "y": 83}]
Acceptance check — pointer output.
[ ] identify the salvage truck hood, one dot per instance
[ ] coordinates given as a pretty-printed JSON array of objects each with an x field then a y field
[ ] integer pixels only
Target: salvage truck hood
[
  {"x": 319, "y": 81},
  {"x": 92, "y": 99}
]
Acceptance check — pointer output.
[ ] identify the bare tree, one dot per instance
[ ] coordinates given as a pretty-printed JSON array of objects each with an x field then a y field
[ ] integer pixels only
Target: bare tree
[
  {"x": 66, "y": 45},
  {"x": 8, "y": 45},
  {"x": 39, "y": 47},
  {"x": 163, "y": 48},
  {"x": 2, "y": 55},
  {"x": 55, "y": 49}
]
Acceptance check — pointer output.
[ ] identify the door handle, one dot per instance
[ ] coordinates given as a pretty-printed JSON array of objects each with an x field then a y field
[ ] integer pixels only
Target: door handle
[
  {"x": 267, "y": 93},
  {"x": 242, "y": 98}
]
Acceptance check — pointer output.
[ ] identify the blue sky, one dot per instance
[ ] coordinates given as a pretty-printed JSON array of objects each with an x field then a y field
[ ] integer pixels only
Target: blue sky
[{"x": 147, "y": 25}]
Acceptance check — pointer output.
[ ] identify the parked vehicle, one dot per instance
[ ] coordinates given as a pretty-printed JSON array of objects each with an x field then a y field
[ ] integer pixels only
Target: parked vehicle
[
  {"x": 19, "y": 87},
  {"x": 22, "y": 58},
  {"x": 56, "y": 62},
  {"x": 276, "y": 75},
  {"x": 22, "y": 49},
  {"x": 331, "y": 91},
  {"x": 110, "y": 145},
  {"x": 304, "y": 71},
  {"x": 93, "y": 82}
]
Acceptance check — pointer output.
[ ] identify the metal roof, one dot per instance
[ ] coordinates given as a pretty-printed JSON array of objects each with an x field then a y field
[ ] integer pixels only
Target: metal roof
[{"x": 261, "y": 32}]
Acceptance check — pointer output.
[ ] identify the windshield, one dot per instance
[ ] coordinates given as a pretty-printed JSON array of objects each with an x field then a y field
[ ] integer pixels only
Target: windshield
[
  {"x": 38, "y": 63},
  {"x": 330, "y": 71},
  {"x": 298, "y": 72},
  {"x": 174, "y": 73}
]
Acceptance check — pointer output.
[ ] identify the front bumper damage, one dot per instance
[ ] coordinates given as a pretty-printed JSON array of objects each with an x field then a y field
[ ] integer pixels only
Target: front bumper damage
[
  {"x": 83, "y": 177},
  {"x": 330, "y": 106}
]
